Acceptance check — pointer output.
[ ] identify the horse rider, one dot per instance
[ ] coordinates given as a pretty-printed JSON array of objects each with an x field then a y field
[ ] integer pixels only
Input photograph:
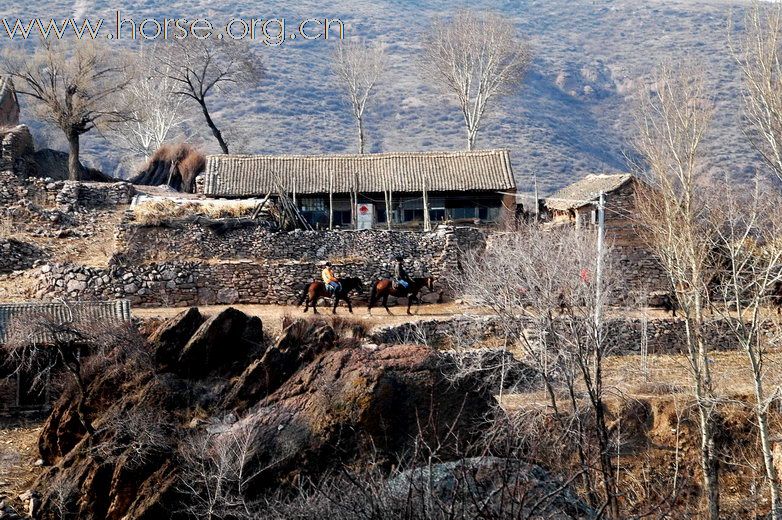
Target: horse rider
[
  {"x": 401, "y": 278},
  {"x": 329, "y": 278}
]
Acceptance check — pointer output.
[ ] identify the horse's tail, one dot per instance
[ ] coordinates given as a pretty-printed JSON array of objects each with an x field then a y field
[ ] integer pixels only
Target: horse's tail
[
  {"x": 304, "y": 294},
  {"x": 372, "y": 292}
]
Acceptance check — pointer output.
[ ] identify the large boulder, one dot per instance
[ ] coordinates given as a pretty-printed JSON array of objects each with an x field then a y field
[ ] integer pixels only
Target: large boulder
[
  {"x": 359, "y": 404},
  {"x": 305, "y": 406},
  {"x": 221, "y": 340},
  {"x": 168, "y": 341}
]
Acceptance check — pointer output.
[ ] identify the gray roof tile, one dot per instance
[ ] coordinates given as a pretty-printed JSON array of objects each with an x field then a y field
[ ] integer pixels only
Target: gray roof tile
[
  {"x": 106, "y": 312},
  {"x": 256, "y": 175}
]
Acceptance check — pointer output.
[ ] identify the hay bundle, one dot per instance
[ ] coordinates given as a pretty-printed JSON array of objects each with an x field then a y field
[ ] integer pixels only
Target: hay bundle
[{"x": 173, "y": 165}]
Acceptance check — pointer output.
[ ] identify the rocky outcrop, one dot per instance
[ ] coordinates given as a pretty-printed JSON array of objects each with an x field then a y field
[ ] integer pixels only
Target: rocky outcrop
[{"x": 310, "y": 402}]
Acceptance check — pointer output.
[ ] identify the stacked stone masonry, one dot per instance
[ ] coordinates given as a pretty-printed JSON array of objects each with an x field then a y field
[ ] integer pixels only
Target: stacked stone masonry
[
  {"x": 433, "y": 251},
  {"x": 623, "y": 335},
  {"x": 17, "y": 256}
]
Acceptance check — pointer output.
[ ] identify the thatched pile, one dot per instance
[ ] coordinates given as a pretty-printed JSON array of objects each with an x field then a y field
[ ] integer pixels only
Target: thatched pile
[{"x": 172, "y": 165}]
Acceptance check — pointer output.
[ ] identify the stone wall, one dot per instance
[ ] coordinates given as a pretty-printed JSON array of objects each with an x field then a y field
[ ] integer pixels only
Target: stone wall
[
  {"x": 624, "y": 335},
  {"x": 16, "y": 255},
  {"x": 193, "y": 283},
  {"x": 16, "y": 149},
  {"x": 11, "y": 187},
  {"x": 88, "y": 195},
  {"x": 430, "y": 252}
]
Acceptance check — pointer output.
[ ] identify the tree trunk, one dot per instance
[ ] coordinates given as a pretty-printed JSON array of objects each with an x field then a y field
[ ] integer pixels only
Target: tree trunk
[
  {"x": 471, "y": 135},
  {"x": 75, "y": 171},
  {"x": 211, "y": 124},
  {"x": 765, "y": 436},
  {"x": 360, "y": 121}
]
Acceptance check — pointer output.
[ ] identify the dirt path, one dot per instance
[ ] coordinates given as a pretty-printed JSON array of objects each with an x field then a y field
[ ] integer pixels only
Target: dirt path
[
  {"x": 272, "y": 315},
  {"x": 18, "y": 453}
]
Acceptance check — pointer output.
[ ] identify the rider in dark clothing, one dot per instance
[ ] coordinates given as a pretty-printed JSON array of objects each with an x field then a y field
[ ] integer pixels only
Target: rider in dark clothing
[{"x": 400, "y": 275}]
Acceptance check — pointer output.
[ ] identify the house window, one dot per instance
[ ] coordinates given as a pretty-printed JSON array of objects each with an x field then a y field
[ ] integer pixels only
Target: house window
[
  {"x": 436, "y": 214},
  {"x": 462, "y": 213},
  {"x": 312, "y": 204}
]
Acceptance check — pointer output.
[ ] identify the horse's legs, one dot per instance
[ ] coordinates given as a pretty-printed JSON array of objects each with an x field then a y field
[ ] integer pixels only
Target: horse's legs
[
  {"x": 315, "y": 305},
  {"x": 385, "y": 303},
  {"x": 306, "y": 302},
  {"x": 336, "y": 302},
  {"x": 409, "y": 303},
  {"x": 350, "y": 307}
]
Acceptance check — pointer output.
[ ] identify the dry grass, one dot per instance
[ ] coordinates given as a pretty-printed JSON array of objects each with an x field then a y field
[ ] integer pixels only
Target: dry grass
[{"x": 156, "y": 212}]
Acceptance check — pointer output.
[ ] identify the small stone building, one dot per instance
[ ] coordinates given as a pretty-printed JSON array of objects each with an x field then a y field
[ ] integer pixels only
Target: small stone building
[
  {"x": 365, "y": 190},
  {"x": 576, "y": 204},
  {"x": 15, "y": 388}
]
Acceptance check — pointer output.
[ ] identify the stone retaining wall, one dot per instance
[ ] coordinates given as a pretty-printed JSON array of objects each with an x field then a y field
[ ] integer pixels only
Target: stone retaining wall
[
  {"x": 74, "y": 195},
  {"x": 16, "y": 255},
  {"x": 624, "y": 335},
  {"x": 434, "y": 251},
  {"x": 179, "y": 284}
]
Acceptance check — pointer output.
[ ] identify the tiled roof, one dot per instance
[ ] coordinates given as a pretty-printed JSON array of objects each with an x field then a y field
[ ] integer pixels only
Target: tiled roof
[
  {"x": 112, "y": 312},
  {"x": 257, "y": 175},
  {"x": 586, "y": 190}
]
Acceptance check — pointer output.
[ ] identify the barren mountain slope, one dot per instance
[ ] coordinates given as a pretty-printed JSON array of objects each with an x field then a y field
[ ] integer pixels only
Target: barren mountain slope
[{"x": 573, "y": 115}]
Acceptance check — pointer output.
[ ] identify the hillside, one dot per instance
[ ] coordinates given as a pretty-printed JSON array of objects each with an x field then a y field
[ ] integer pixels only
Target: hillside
[{"x": 573, "y": 115}]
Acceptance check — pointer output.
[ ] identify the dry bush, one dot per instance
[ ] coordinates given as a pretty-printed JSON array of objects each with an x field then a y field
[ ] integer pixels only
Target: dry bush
[{"x": 157, "y": 212}]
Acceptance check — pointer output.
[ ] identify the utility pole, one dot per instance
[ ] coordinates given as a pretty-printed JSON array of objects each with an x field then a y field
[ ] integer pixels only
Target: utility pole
[
  {"x": 601, "y": 232},
  {"x": 536, "y": 202}
]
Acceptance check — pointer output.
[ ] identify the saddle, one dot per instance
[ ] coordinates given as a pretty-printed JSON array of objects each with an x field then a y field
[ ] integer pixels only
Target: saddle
[{"x": 400, "y": 283}]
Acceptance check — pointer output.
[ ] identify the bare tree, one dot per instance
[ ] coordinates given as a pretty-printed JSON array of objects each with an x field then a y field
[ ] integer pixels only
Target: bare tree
[
  {"x": 204, "y": 68},
  {"x": 748, "y": 241},
  {"x": 76, "y": 88},
  {"x": 476, "y": 57},
  {"x": 549, "y": 308},
  {"x": 44, "y": 346},
  {"x": 219, "y": 473},
  {"x": 672, "y": 121},
  {"x": 358, "y": 67},
  {"x": 759, "y": 56},
  {"x": 154, "y": 108}
]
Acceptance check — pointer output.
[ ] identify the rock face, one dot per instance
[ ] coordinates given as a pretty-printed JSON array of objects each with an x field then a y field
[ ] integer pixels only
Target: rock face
[{"x": 310, "y": 402}]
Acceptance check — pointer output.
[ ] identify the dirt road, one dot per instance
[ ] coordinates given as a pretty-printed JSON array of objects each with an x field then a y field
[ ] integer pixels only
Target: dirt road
[{"x": 272, "y": 315}]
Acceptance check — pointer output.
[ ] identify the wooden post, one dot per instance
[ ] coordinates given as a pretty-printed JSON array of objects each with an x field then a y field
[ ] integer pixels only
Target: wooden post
[
  {"x": 331, "y": 201},
  {"x": 294, "y": 194},
  {"x": 427, "y": 222}
]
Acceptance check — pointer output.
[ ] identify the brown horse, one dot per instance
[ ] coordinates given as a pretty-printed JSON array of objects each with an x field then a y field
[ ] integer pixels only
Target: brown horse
[
  {"x": 382, "y": 289},
  {"x": 318, "y": 289}
]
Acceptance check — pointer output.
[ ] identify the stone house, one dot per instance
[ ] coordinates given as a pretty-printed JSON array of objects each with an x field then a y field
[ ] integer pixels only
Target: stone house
[
  {"x": 363, "y": 191},
  {"x": 16, "y": 393},
  {"x": 576, "y": 204}
]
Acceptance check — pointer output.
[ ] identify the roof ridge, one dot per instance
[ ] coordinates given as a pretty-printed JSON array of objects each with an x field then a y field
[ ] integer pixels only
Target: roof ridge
[{"x": 439, "y": 153}]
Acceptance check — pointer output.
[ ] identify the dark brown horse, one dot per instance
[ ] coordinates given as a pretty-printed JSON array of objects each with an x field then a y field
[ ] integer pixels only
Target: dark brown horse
[
  {"x": 318, "y": 289},
  {"x": 382, "y": 289}
]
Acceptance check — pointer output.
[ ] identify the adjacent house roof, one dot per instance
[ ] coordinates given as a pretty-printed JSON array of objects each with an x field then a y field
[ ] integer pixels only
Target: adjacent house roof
[
  {"x": 112, "y": 312},
  {"x": 586, "y": 191},
  {"x": 257, "y": 175}
]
